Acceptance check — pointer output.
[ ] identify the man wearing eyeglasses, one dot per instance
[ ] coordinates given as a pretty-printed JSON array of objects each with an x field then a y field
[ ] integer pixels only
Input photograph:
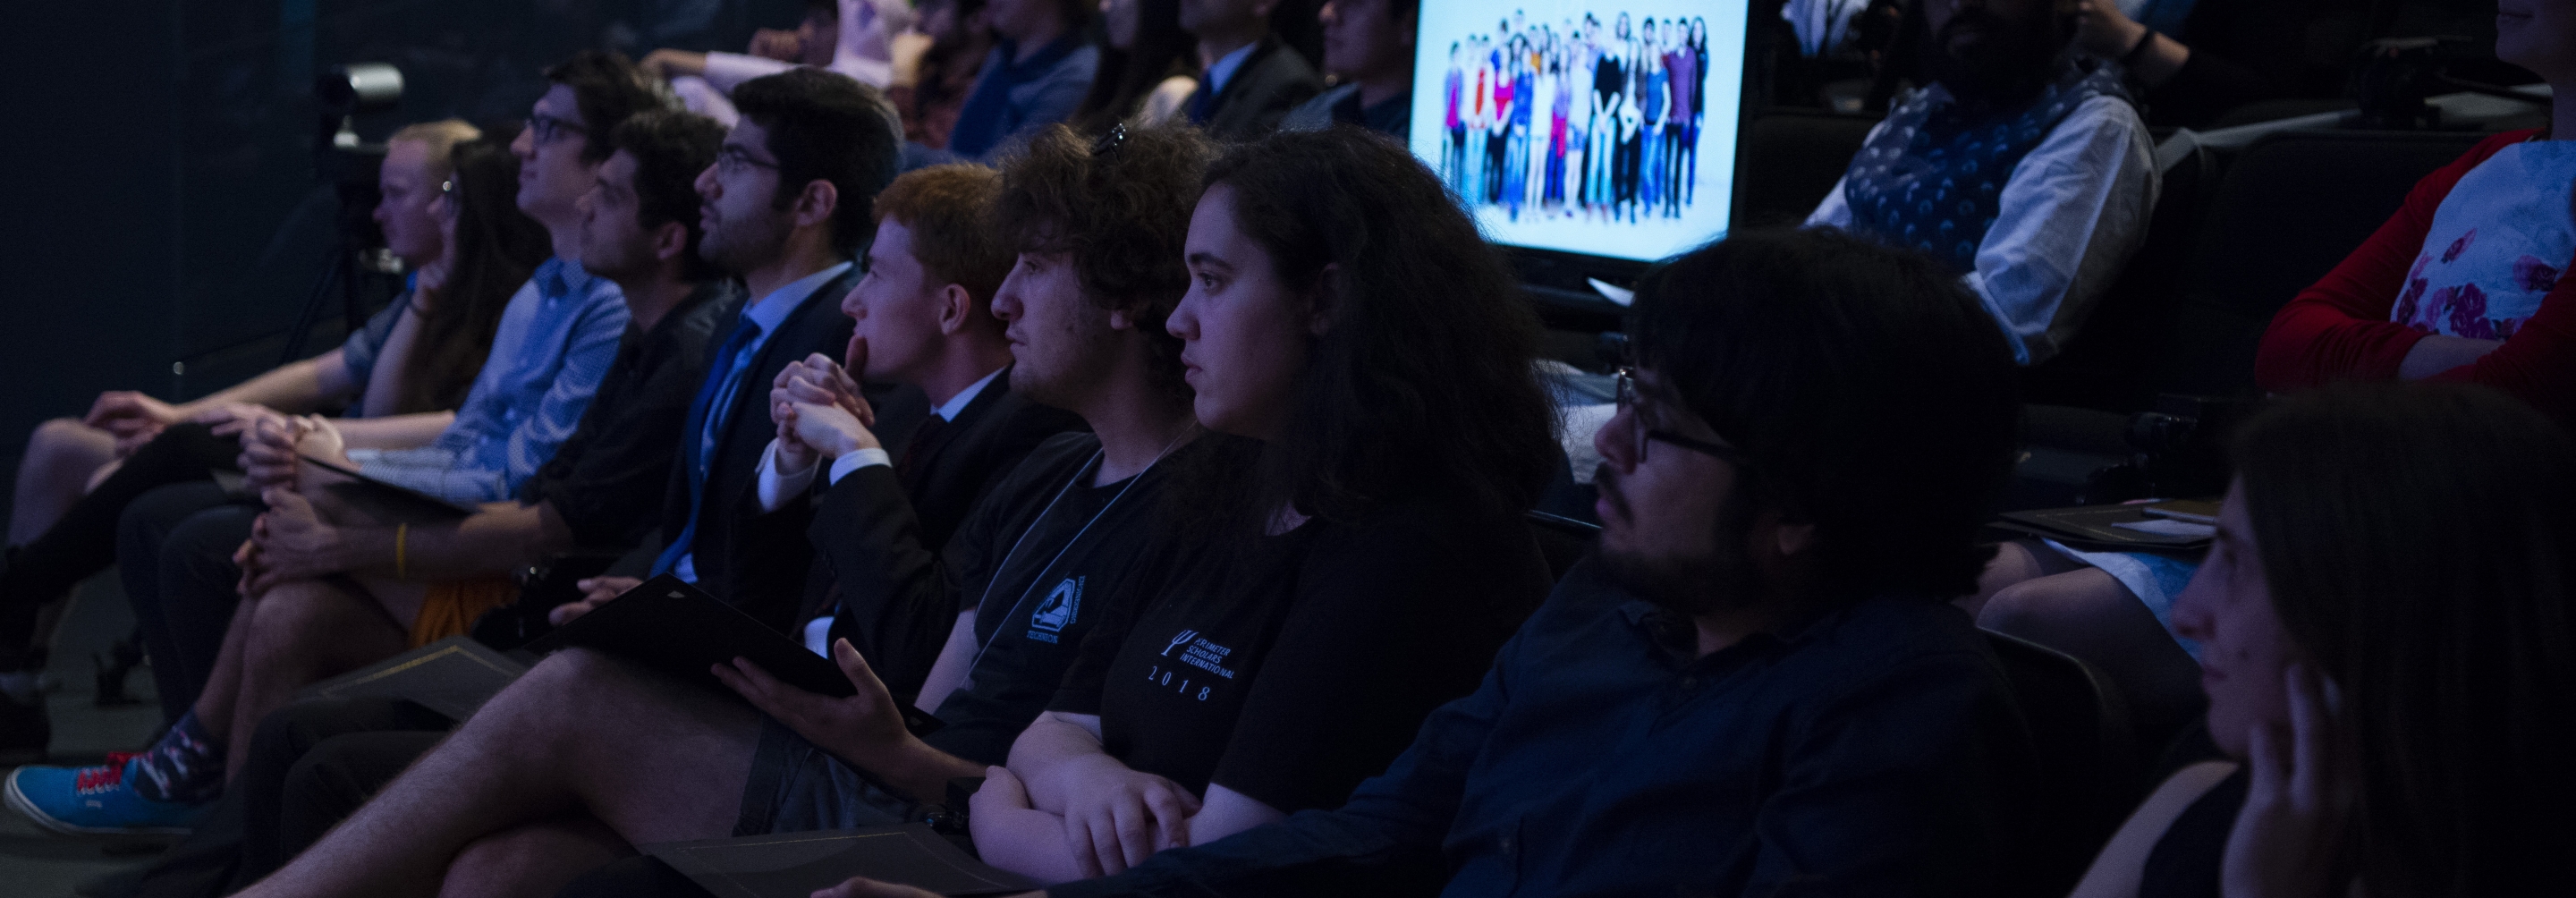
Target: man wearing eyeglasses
[{"x": 1756, "y": 686}]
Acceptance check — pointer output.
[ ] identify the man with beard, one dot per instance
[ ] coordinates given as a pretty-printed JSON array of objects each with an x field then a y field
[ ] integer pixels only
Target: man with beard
[
  {"x": 1757, "y": 686},
  {"x": 2023, "y": 167}
]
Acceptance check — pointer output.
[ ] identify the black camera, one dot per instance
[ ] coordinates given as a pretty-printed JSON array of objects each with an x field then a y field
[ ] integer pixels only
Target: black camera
[{"x": 349, "y": 165}]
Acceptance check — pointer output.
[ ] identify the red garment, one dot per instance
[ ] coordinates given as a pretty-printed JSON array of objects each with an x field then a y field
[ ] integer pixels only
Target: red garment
[{"x": 2339, "y": 328}]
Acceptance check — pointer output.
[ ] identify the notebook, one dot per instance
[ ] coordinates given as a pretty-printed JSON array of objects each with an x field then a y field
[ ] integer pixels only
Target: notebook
[
  {"x": 453, "y": 676},
  {"x": 2108, "y": 528}
]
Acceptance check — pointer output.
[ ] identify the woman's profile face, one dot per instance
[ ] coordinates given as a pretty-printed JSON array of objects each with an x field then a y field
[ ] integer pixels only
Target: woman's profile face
[
  {"x": 2539, "y": 35},
  {"x": 2244, "y": 651},
  {"x": 1245, "y": 332}
]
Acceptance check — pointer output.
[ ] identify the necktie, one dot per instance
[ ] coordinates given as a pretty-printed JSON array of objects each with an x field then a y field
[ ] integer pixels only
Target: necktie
[
  {"x": 1203, "y": 102},
  {"x": 916, "y": 452},
  {"x": 706, "y": 421}
]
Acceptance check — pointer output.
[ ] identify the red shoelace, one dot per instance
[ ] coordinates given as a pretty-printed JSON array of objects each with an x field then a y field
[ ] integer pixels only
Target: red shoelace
[{"x": 113, "y": 772}]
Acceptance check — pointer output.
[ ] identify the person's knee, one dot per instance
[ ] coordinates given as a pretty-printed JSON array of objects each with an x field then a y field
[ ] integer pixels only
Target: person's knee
[
  {"x": 298, "y": 626},
  {"x": 2043, "y": 608},
  {"x": 63, "y": 444}
]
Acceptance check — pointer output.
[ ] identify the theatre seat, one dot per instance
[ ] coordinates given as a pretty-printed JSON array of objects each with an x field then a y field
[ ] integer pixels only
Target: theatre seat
[
  {"x": 2290, "y": 208},
  {"x": 1795, "y": 156},
  {"x": 2089, "y": 775}
]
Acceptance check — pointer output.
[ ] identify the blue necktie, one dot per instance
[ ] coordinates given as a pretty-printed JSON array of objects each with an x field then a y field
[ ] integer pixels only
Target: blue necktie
[
  {"x": 1204, "y": 103},
  {"x": 706, "y": 421}
]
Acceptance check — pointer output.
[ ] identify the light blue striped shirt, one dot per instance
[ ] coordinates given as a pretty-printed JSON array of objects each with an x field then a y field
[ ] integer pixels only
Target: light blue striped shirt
[{"x": 555, "y": 342}]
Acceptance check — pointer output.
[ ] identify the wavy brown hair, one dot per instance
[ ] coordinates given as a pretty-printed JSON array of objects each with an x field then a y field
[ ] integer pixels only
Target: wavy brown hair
[
  {"x": 1122, "y": 213},
  {"x": 1425, "y": 380},
  {"x": 497, "y": 248},
  {"x": 2420, "y": 543}
]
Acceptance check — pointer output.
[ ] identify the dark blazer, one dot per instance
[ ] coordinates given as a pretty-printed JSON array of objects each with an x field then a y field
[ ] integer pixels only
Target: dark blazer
[
  {"x": 1273, "y": 80},
  {"x": 878, "y": 532},
  {"x": 752, "y": 559}
]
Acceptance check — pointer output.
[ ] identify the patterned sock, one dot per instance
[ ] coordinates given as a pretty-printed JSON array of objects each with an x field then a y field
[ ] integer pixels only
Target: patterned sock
[{"x": 187, "y": 765}]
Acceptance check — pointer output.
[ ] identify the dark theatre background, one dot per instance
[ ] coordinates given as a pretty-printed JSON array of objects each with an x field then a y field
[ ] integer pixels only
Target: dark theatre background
[{"x": 163, "y": 219}]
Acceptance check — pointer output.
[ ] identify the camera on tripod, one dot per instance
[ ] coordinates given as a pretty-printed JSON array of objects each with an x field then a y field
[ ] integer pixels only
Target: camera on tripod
[{"x": 350, "y": 165}]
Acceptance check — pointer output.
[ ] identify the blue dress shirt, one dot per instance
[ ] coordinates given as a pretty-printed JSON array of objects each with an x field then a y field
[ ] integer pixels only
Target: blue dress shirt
[{"x": 555, "y": 341}]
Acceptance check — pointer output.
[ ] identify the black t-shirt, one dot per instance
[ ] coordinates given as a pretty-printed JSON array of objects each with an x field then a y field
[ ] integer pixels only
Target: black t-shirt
[
  {"x": 1042, "y": 558},
  {"x": 1291, "y": 671},
  {"x": 607, "y": 479}
]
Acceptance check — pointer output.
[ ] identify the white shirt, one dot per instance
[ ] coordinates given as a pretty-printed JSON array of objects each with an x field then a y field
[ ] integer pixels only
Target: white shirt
[
  {"x": 2074, "y": 211},
  {"x": 864, "y": 50}
]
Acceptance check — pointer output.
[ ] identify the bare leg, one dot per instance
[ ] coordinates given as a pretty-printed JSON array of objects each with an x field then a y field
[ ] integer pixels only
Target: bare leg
[
  {"x": 2013, "y": 563},
  {"x": 214, "y": 708},
  {"x": 62, "y": 456},
  {"x": 532, "y": 861},
  {"x": 2088, "y": 614},
  {"x": 654, "y": 759},
  {"x": 303, "y": 632}
]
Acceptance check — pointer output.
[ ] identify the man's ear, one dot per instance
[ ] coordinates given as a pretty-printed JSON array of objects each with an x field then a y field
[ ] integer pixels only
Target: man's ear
[
  {"x": 816, "y": 203},
  {"x": 670, "y": 240},
  {"x": 1324, "y": 302},
  {"x": 956, "y": 309}
]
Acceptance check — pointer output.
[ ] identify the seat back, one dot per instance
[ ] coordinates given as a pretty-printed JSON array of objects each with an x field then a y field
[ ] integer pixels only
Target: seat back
[
  {"x": 2105, "y": 365},
  {"x": 2088, "y": 777},
  {"x": 1793, "y": 157},
  {"x": 1562, "y": 539},
  {"x": 2290, "y": 208}
]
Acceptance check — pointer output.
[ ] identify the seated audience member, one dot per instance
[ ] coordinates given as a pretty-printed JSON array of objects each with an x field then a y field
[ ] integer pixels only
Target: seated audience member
[
  {"x": 404, "y": 370},
  {"x": 1790, "y": 492},
  {"x": 1368, "y": 47},
  {"x": 1036, "y": 76},
  {"x": 2193, "y": 62},
  {"x": 2385, "y": 624},
  {"x": 327, "y": 596},
  {"x": 924, "y": 316},
  {"x": 556, "y": 338},
  {"x": 1100, "y": 240},
  {"x": 1248, "y": 79},
  {"x": 1369, "y": 553},
  {"x": 2038, "y": 223},
  {"x": 852, "y": 37},
  {"x": 961, "y": 35},
  {"x": 2462, "y": 285},
  {"x": 174, "y": 544},
  {"x": 1147, "y": 67}
]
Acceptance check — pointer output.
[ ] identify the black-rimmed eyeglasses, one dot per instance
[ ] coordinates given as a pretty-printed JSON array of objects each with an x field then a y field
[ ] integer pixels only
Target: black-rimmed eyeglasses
[
  {"x": 1640, "y": 434},
  {"x": 735, "y": 160},
  {"x": 548, "y": 129}
]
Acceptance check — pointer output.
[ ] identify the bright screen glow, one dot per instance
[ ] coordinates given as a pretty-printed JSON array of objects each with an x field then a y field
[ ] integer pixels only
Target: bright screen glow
[{"x": 1594, "y": 127}]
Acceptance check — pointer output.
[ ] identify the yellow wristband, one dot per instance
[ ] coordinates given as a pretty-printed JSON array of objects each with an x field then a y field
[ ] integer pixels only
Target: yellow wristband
[{"x": 401, "y": 531}]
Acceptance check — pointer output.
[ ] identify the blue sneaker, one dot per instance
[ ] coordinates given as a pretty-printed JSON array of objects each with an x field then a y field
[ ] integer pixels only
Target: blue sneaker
[{"x": 96, "y": 800}]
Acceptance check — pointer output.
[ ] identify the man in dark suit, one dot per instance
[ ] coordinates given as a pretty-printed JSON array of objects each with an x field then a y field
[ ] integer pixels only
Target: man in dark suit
[
  {"x": 790, "y": 197},
  {"x": 1252, "y": 79},
  {"x": 924, "y": 317}
]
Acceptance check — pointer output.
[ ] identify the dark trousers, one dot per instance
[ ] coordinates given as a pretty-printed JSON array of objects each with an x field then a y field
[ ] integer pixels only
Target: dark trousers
[
  {"x": 84, "y": 541},
  {"x": 174, "y": 549},
  {"x": 314, "y": 762}
]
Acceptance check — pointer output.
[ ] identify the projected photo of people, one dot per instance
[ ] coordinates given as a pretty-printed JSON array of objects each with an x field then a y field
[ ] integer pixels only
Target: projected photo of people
[
  {"x": 1596, "y": 114},
  {"x": 1589, "y": 127}
]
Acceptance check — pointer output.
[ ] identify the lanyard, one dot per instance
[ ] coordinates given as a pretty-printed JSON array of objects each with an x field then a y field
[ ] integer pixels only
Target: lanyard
[{"x": 1042, "y": 572}]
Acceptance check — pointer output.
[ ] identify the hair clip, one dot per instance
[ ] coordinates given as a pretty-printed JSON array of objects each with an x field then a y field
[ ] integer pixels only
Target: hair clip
[{"x": 1111, "y": 141}]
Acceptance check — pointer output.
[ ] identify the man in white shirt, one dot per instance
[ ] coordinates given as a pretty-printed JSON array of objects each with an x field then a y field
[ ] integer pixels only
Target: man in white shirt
[{"x": 2027, "y": 170}]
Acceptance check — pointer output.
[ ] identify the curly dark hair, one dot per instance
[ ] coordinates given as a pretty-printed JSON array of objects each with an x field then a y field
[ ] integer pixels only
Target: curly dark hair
[
  {"x": 1869, "y": 392},
  {"x": 824, "y": 126},
  {"x": 1122, "y": 213},
  {"x": 1424, "y": 382},
  {"x": 608, "y": 89},
  {"x": 671, "y": 148}
]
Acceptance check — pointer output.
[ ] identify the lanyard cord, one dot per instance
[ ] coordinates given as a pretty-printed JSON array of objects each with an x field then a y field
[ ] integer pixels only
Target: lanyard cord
[{"x": 1097, "y": 457}]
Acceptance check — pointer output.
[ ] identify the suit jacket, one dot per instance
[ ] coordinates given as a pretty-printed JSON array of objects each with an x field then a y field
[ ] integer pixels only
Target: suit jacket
[
  {"x": 878, "y": 533},
  {"x": 744, "y": 556},
  {"x": 1272, "y": 81}
]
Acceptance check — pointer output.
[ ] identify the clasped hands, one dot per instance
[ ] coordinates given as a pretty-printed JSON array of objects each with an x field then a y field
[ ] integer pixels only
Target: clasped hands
[
  {"x": 819, "y": 413},
  {"x": 290, "y": 541}
]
